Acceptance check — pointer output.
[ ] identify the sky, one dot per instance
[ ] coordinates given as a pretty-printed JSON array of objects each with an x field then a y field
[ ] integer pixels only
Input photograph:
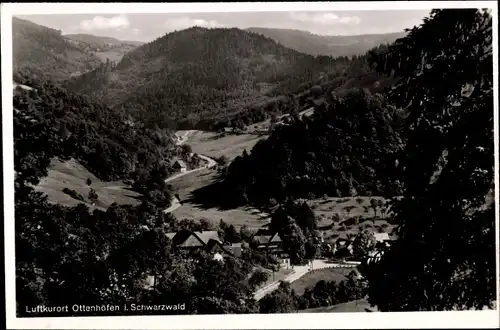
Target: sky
[{"x": 147, "y": 27}]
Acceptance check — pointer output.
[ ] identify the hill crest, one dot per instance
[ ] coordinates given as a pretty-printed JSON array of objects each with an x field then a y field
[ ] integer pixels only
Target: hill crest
[{"x": 329, "y": 45}]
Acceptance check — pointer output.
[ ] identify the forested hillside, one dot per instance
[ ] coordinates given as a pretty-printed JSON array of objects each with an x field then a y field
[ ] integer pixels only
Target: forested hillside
[
  {"x": 45, "y": 52},
  {"x": 50, "y": 122},
  {"x": 349, "y": 147},
  {"x": 197, "y": 73},
  {"x": 309, "y": 43}
]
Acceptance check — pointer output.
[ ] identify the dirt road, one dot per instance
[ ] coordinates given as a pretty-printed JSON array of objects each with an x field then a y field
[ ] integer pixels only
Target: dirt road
[{"x": 183, "y": 136}]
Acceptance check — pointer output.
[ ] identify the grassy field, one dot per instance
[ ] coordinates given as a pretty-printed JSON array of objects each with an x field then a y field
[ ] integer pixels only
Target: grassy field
[
  {"x": 115, "y": 54},
  {"x": 237, "y": 217},
  {"x": 214, "y": 145},
  {"x": 328, "y": 274},
  {"x": 356, "y": 306},
  {"x": 73, "y": 175},
  {"x": 184, "y": 185}
]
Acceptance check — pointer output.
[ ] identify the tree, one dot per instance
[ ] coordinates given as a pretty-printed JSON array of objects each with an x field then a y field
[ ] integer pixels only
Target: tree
[
  {"x": 93, "y": 197},
  {"x": 281, "y": 300},
  {"x": 245, "y": 233},
  {"x": 186, "y": 149},
  {"x": 444, "y": 257},
  {"x": 222, "y": 161},
  {"x": 205, "y": 224},
  {"x": 364, "y": 243},
  {"x": 257, "y": 279},
  {"x": 294, "y": 241},
  {"x": 374, "y": 205},
  {"x": 381, "y": 206}
]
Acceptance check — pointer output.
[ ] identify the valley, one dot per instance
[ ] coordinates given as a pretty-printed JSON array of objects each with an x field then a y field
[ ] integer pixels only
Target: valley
[{"x": 255, "y": 170}]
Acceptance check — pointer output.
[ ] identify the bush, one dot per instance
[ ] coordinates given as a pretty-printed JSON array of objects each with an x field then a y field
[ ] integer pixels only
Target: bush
[{"x": 73, "y": 194}]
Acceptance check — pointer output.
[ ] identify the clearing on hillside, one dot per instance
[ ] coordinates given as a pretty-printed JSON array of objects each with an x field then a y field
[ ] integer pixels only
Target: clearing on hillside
[
  {"x": 253, "y": 218},
  {"x": 354, "y": 214},
  {"x": 183, "y": 186},
  {"x": 216, "y": 145},
  {"x": 72, "y": 175}
]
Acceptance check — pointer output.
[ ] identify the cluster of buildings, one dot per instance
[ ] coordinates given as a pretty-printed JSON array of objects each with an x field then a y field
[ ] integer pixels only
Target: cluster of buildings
[
  {"x": 210, "y": 242},
  {"x": 264, "y": 241}
]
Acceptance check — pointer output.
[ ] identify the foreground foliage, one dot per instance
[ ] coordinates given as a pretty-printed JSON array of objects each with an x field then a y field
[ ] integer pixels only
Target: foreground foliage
[{"x": 445, "y": 256}]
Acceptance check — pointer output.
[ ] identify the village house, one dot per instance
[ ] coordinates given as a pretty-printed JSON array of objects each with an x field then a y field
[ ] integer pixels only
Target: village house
[
  {"x": 208, "y": 241},
  {"x": 271, "y": 244},
  {"x": 180, "y": 166},
  {"x": 189, "y": 240},
  {"x": 383, "y": 239},
  {"x": 236, "y": 249}
]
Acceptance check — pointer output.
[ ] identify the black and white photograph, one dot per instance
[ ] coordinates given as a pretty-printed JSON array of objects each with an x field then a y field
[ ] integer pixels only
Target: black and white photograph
[{"x": 219, "y": 160}]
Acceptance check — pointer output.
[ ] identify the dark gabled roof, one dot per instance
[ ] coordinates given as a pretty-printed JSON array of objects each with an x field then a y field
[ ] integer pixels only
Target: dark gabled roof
[
  {"x": 180, "y": 163},
  {"x": 262, "y": 239},
  {"x": 216, "y": 246},
  {"x": 186, "y": 238},
  {"x": 206, "y": 236}
]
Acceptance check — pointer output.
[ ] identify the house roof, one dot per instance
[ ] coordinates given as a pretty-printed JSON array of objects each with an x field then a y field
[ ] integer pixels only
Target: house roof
[
  {"x": 186, "y": 238},
  {"x": 170, "y": 236},
  {"x": 191, "y": 241},
  {"x": 262, "y": 239},
  {"x": 381, "y": 237},
  {"x": 275, "y": 239},
  {"x": 206, "y": 236},
  {"x": 267, "y": 239},
  {"x": 217, "y": 247},
  {"x": 341, "y": 241},
  {"x": 180, "y": 163}
]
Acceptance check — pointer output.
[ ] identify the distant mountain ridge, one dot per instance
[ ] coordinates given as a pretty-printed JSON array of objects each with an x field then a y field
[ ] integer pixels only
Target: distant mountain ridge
[
  {"x": 100, "y": 40},
  {"x": 196, "y": 72},
  {"x": 309, "y": 43},
  {"x": 105, "y": 48}
]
